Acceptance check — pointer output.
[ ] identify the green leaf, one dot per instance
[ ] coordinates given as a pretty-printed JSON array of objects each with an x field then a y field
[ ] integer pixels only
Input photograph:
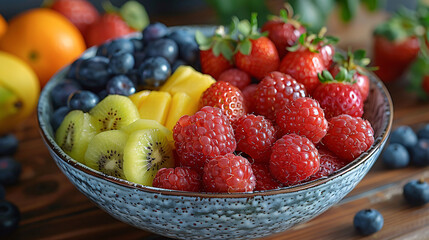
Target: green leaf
[
  {"x": 293, "y": 48},
  {"x": 359, "y": 54},
  {"x": 226, "y": 50},
  {"x": 327, "y": 75},
  {"x": 371, "y": 5},
  {"x": 216, "y": 48},
  {"x": 341, "y": 75},
  {"x": 312, "y": 12},
  {"x": 301, "y": 39},
  {"x": 339, "y": 57},
  {"x": 245, "y": 47},
  {"x": 348, "y": 9},
  {"x": 202, "y": 40},
  {"x": 134, "y": 15},
  {"x": 244, "y": 27},
  {"x": 108, "y": 7}
]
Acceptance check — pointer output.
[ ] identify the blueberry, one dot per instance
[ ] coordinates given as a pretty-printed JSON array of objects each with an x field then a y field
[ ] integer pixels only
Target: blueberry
[
  {"x": 121, "y": 85},
  {"x": 154, "y": 31},
  {"x": 72, "y": 72},
  {"x": 420, "y": 153},
  {"x": 138, "y": 44},
  {"x": 61, "y": 92},
  {"x": 121, "y": 63},
  {"x": 8, "y": 145},
  {"x": 404, "y": 135},
  {"x": 134, "y": 76},
  {"x": 396, "y": 156},
  {"x": 119, "y": 45},
  {"x": 190, "y": 53},
  {"x": 166, "y": 48},
  {"x": 416, "y": 192},
  {"x": 9, "y": 217},
  {"x": 58, "y": 117},
  {"x": 93, "y": 73},
  {"x": 182, "y": 36},
  {"x": 154, "y": 72},
  {"x": 83, "y": 100},
  {"x": 102, "y": 50},
  {"x": 138, "y": 58},
  {"x": 368, "y": 221},
  {"x": 2, "y": 192},
  {"x": 9, "y": 170},
  {"x": 423, "y": 132},
  {"x": 176, "y": 64},
  {"x": 102, "y": 94},
  {"x": 188, "y": 47}
]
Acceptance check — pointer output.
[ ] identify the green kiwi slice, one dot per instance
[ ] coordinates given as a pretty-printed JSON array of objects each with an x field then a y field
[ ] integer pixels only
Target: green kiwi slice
[
  {"x": 146, "y": 152},
  {"x": 74, "y": 134},
  {"x": 105, "y": 153},
  {"x": 114, "y": 112}
]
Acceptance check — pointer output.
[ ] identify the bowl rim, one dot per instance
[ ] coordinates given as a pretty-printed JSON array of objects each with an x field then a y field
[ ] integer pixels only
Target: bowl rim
[{"x": 49, "y": 141}]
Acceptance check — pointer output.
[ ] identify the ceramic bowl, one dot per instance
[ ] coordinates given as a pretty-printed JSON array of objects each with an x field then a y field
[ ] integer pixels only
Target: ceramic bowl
[{"x": 187, "y": 215}]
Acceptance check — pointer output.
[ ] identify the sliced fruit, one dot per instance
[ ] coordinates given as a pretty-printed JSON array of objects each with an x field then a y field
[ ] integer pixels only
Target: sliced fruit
[
  {"x": 142, "y": 124},
  {"x": 105, "y": 153},
  {"x": 114, "y": 112},
  {"x": 74, "y": 134},
  {"x": 139, "y": 97},
  {"x": 179, "y": 75},
  {"x": 181, "y": 104},
  {"x": 146, "y": 151},
  {"x": 155, "y": 106}
]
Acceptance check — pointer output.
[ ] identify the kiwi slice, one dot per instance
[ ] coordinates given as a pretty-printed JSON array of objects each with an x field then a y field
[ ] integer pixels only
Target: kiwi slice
[
  {"x": 146, "y": 152},
  {"x": 114, "y": 112},
  {"x": 74, "y": 134},
  {"x": 141, "y": 124},
  {"x": 105, "y": 153}
]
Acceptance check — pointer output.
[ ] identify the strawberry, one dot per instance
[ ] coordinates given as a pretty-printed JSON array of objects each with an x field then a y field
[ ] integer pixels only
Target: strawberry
[
  {"x": 256, "y": 55},
  {"x": 80, "y": 12},
  {"x": 338, "y": 96},
  {"x": 215, "y": 52},
  {"x": 425, "y": 84},
  {"x": 283, "y": 31},
  {"x": 236, "y": 77},
  {"x": 131, "y": 17}
]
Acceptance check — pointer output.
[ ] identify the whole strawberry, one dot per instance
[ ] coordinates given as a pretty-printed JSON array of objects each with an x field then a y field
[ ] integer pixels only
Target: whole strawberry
[
  {"x": 304, "y": 117},
  {"x": 283, "y": 31},
  {"x": 264, "y": 179},
  {"x": 202, "y": 136},
  {"x": 348, "y": 137},
  {"x": 254, "y": 135},
  {"x": 274, "y": 91},
  {"x": 256, "y": 55},
  {"x": 225, "y": 96},
  {"x": 228, "y": 173},
  {"x": 236, "y": 77},
  {"x": 80, "y": 12},
  {"x": 329, "y": 163},
  {"x": 293, "y": 159},
  {"x": 338, "y": 96},
  {"x": 179, "y": 178},
  {"x": 215, "y": 60},
  {"x": 325, "y": 47}
]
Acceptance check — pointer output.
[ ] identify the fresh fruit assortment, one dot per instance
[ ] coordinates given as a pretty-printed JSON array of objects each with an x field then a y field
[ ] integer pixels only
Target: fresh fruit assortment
[
  {"x": 134, "y": 116},
  {"x": 368, "y": 221}
]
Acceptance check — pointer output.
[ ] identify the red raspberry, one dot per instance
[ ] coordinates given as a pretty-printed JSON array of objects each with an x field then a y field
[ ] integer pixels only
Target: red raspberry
[
  {"x": 264, "y": 179},
  {"x": 225, "y": 96},
  {"x": 339, "y": 98},
  {"x": 254, "y": 136},
  {"x": 249, "y": 97},
  {"x": 303, "y": 117},
  {"x": 236, "y": 77},
  {"x": 182, "y": 179},
  {"x": 293, "y": 159},
  {"x": 228, "y": 173},
  {"x": 274, "y": 91},
  {"x": 329, "y": 163},
  {"x": 206, "y": 134},
  {"x": 348, "y": 137}
]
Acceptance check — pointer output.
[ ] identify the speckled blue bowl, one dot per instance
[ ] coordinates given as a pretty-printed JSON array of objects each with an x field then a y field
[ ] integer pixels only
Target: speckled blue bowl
[{"x": 186, "y": 215}]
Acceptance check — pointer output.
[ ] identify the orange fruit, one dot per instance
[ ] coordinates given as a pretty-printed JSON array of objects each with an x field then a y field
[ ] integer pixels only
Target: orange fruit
[
  {"x": 44, "y": 39},
  {"x": 3, "y": 25}
]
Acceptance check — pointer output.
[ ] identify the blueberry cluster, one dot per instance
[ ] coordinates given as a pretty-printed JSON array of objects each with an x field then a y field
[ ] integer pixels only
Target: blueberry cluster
[
  {"x": 123, "y": 66},
  {"x": 10, "y": 170}
]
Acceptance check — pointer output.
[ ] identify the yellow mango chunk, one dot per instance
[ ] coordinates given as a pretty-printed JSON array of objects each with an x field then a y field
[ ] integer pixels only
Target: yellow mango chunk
[
  {"x": 155, "y": 106},
  {"x": 181, "y": 104},
  {"x": 138, "y": 97}
]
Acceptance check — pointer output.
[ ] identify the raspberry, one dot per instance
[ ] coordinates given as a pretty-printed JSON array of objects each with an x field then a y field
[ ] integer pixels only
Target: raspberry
[
  {"x": 329, "y": 163},
  {"x": 249, "y": 97},
  {"x": 228, "y": 173},
  {"x": 303, "y": 117},
  {"x": 206, "y": 134},
  {"x": 182, "y": 179},
  {"x": 254, "y": 136},
  {"x": 235, "y": 77},
  {"x": 225, "y": 96},
  {"x": 348, "y": 137},
  {"x": 264, "y": 179},
  {"x": 275, "y": 90},
  {"x": 293, "y": 159}
]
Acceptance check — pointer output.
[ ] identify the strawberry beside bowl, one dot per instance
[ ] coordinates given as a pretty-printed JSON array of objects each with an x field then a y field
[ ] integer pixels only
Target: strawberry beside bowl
[{"x": 189, "y": 215}]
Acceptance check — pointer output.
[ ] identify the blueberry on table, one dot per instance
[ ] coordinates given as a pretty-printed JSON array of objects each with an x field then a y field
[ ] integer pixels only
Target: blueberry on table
[
  {"x": 404, "y": 135},
  {"x": 120, "y": 85},
  {"x": 121, "y": 63},
  {"x": 165, "y": 48},
  {"x": 9, "y": 217},
  {"x": 416, "y": 192},
  {"x": 93, "y": 73},
  {"x": 8, "y": 144},
  {"x": 9, "y": 170},
  {"x": 154, "y": 72},
  {"x": 2, "y": 192},
  {"x": 396, "y": 156},
  {"x": 119, "y": 45},
  {"x": 423, "y": 132},
  {"x": 58, "y": 117},
  {"x": 61, "y": 92},
  {"x": 83, "y": 100},
  {"x": 368, "y": 221},
  {"x": 154, "y": 31},
  {"x": 420, "y": 153}
]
